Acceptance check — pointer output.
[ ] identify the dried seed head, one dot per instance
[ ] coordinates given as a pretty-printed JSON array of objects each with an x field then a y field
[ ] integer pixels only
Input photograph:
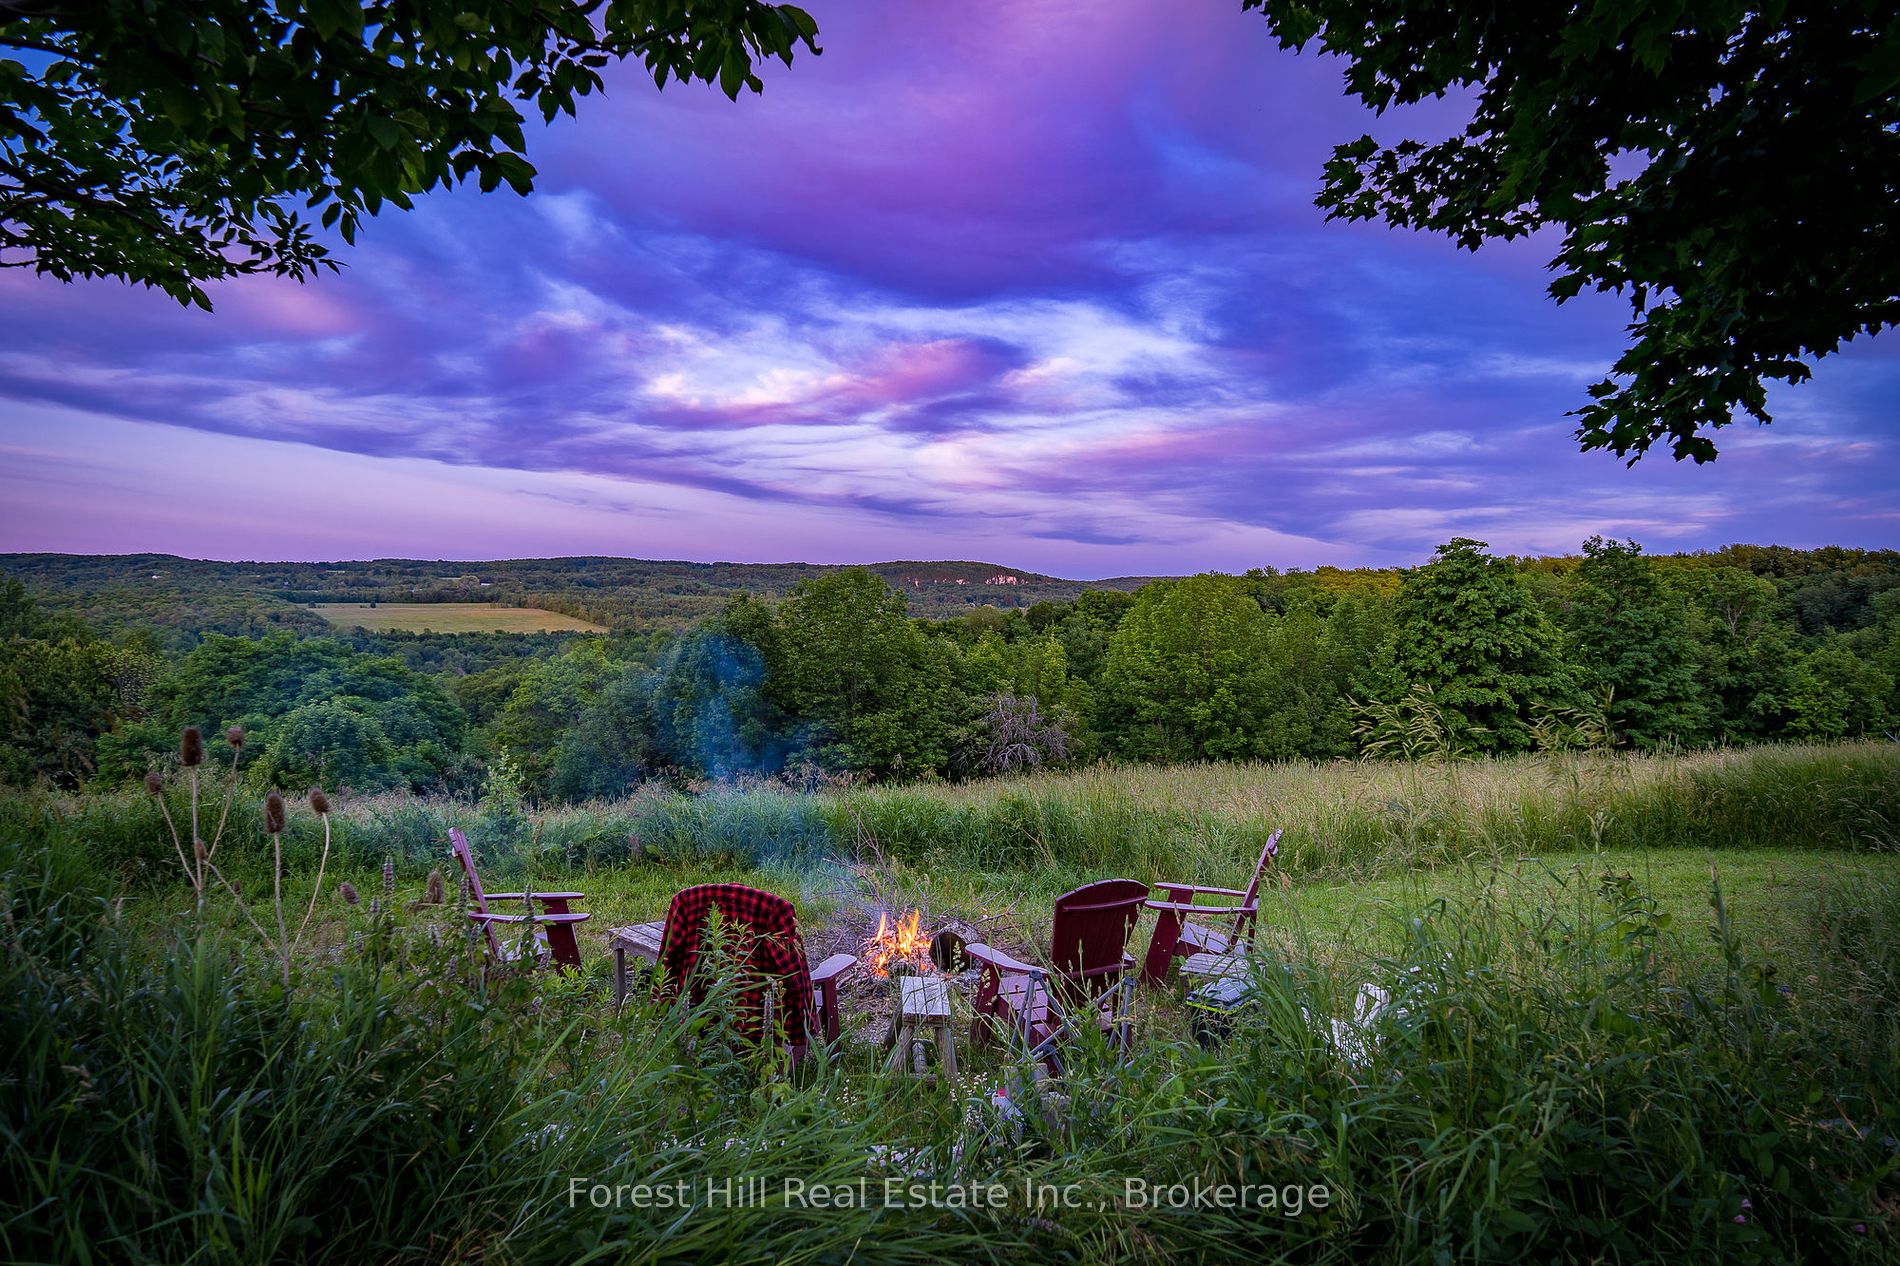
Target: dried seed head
[
  {"x": 191, "y": 747},
  {"x": 347, "y": 891},
  {"x": 319, "y": 802},
  {"x": 273, "y": 814},
  {"x": 435, "y": 893},
  {"x": 153, "y": 783},
  {"x": 198, "y": 851},
  {"x": 235, "y": 736}
]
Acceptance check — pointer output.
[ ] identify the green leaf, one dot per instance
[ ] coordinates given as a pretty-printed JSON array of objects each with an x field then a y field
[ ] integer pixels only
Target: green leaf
[
  {"x": 385, "y": 132},
  {"x": 517, "y": 171},
  {"x": 732, "y": 75}
]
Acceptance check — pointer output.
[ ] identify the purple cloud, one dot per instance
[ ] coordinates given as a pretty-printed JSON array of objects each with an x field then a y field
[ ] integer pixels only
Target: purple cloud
[{"x": 983, "y": 280}]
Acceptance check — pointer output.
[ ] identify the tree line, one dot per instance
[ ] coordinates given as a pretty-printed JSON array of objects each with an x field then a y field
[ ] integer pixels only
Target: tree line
[
  {"x": 175, "y": 602},
  {"x": 1468, "y": 654}
]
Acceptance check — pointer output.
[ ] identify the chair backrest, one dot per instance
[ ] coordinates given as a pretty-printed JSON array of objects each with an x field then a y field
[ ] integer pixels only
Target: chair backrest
[
  {"x": 458, "y": 845},
  {"x": 1267, "y": 854},
  {"x": 765, "y": 937},
  {"x": 1091, "y": 929}
]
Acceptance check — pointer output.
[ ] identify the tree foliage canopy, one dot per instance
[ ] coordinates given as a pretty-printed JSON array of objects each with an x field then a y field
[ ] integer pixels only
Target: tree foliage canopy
[
  {"x": 1731, "y": 167},
  {"x": 1631, "y": 642},
  {"x": 1181, "y": 671},
  {"x": 1466, "y": 626},
  {"x": 1472, "y": 654},
  {"x": 175, "y": 144}
]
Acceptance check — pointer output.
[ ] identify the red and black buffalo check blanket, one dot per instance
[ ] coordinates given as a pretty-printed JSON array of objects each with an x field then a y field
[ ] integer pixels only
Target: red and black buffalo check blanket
[{"x": 763, "y": 932}]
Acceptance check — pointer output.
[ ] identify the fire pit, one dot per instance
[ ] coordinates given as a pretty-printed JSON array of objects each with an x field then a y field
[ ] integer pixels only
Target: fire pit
[{"x": 919, "y": 962}]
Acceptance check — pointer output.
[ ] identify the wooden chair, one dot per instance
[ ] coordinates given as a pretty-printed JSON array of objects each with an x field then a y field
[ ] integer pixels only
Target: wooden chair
[
  {"x": 1176, "y": 937},
  {"x": 775, "y": 980},
  {"x": 1088, "y": 981},
  {"x": 553, "y": 922}
]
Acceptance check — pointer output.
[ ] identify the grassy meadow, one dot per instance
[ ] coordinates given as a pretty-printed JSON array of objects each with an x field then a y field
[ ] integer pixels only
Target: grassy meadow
[
  {"x": 1646, "y": 1008},
  {"x": 450, "y": 617}
]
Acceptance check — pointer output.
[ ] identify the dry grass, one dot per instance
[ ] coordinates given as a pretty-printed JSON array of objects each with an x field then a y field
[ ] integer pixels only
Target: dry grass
[{"x": 450, "y": 617}]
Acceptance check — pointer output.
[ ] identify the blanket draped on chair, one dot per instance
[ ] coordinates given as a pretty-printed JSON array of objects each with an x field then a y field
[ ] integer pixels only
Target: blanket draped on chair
[{"x": 764, "y": 935}]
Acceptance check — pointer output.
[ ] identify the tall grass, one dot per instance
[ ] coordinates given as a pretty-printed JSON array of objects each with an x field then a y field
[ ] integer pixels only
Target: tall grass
[
  {"x": 1547, "y": 1085},
  {"x": 1353, "y": 819}
]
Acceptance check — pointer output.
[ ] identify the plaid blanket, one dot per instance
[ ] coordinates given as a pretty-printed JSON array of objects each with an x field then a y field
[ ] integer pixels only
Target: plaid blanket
[{"x": 763, "y": 932}]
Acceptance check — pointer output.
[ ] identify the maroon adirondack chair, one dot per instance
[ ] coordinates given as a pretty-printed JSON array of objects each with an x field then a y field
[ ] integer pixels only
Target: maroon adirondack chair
[
  {"x": 1088, "y": 979},
  {"x": 1175, "y": 936},
  {"x": 775, "y": 986},
  {"x": 553, "y": 921}
]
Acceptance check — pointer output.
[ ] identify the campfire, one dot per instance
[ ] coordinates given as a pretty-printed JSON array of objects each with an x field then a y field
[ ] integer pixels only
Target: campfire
[{"x": 897, "y": 943}]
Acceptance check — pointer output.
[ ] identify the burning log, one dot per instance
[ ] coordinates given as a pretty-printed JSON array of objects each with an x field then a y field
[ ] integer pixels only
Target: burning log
[{"x": 947, "y": 946}]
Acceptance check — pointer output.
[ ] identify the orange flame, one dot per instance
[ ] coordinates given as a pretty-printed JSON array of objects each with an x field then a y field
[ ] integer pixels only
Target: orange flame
[{"x": 895, "y": 942}]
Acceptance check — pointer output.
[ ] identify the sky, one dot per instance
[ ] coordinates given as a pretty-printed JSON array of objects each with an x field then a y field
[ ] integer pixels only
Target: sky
[{"x": 985, "y": 280}]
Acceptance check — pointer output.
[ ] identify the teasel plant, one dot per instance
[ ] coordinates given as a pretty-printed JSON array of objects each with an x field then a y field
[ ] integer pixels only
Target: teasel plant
[
  {"x": 191, "y": 754},
  {"x": 284, "y": 945}
]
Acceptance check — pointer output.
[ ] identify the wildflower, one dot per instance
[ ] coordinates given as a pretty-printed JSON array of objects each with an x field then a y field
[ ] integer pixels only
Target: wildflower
[
  {"x": 389, "y": 876},
  {"x": 348, "y": 892},
  {"x": 319, "y": 803},
  {"x": 153, "y": 783},
  {"x": 235, "y": 736},
  {"x": 274, "y": 814},
  {"x": 191, "y": 747}
]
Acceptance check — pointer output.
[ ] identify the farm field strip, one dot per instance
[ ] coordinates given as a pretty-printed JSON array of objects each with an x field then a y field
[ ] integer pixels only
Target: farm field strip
[{"x": 450, "y": 617}]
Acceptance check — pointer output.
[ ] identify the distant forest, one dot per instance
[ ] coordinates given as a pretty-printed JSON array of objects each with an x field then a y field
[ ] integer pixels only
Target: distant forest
[
  {"x": 808, "y": 675},
  {"x": 184, "y": 598}
]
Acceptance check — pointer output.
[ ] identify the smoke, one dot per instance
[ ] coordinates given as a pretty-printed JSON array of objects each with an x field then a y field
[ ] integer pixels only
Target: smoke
[{"x": 714, "y": 714}]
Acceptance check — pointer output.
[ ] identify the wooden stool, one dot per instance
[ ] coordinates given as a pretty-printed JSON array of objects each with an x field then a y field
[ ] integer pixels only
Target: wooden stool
[{"x": 924, "y": 1002}]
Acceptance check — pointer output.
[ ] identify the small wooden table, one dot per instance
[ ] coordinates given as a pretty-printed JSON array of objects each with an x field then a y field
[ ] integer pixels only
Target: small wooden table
[
  {"x": 642, "y": 940},
  {"x": 924, "y": 1002}
]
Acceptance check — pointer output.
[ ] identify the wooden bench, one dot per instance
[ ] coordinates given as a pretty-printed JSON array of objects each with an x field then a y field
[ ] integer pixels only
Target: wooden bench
[{"x": 641, "y": 941}]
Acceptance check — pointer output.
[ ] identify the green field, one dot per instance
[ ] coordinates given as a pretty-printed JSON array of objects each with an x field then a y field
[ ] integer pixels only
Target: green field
[{"x": 450, "y": 617}]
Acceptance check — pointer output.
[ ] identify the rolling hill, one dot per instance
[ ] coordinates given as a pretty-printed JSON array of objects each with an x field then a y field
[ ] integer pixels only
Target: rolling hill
[{"x": 184, "y": 596}]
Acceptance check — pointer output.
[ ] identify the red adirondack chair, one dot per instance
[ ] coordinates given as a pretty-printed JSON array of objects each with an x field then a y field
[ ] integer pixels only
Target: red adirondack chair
[
  {"x": 776, "y": 985},
  {"x": 1088, "y": 980},
  {"x": 1176, "y": 937},
  {"x": 553, "y": 921}
]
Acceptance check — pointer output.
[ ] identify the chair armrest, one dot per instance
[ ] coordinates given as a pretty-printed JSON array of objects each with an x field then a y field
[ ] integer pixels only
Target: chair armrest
[
  {"x": 1002, "y": 962},
  {"x": 538, "y": 896},
  {"x": 832, "y": 968},
  {"x": 1188, "y": 907},
  {"x": 479, "y": 917},
  {"x": 1203, "y": 889}
]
